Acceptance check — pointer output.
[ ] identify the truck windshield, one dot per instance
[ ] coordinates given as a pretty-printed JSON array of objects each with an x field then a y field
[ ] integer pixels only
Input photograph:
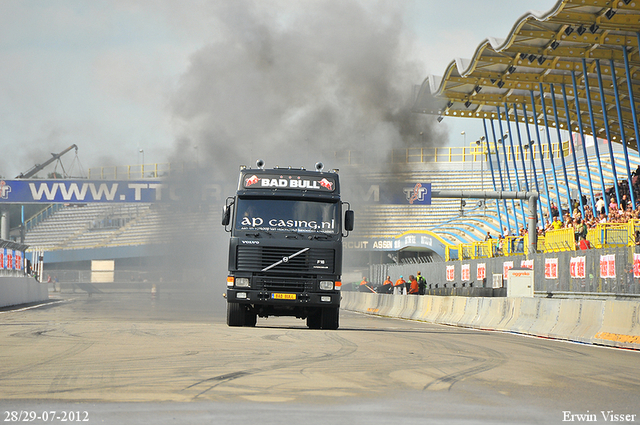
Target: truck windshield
[{"x": 275, "y": 215}]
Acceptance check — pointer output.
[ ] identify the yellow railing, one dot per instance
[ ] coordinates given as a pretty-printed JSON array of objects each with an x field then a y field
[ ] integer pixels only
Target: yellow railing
[
  {"x": 613, "y": 234},
  {"x": 140, "y": 171},
  {"x": 511, "y": 245},
  {"x": 604, "y": 235},
  {"x": 540, "y": 243},
  {"x": 472, "y": 154},
  {"x": 559, "y": 240},
  {"x": 41, "y": 216}
]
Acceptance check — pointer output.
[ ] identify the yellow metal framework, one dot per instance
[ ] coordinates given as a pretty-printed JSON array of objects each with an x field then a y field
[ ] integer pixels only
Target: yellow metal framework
[
  {"x": 472, "y": 153},
  {"x": 604, "y": 235},
  {"x": 139, "y": 171},
  {"x": 543, "y": 50}
]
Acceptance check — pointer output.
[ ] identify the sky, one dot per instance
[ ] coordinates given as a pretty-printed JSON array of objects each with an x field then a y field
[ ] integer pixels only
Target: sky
[{"x": 229, "y": 80}]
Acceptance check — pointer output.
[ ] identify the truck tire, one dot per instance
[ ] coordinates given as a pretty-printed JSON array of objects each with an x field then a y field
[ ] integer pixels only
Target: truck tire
[
  {"x": 330, "y": 318},
  {"x": 314, "y": 320},
  {"x": 250, "y": 318},
  {"x": 235, "y": 314}
]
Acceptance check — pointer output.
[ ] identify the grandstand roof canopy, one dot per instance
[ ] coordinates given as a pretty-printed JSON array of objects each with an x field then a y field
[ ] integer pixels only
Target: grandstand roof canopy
[{"x": 545, "y": 53}]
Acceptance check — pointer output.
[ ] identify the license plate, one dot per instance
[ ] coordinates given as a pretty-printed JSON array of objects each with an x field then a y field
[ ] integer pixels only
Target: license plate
[{"x": 283, "y": 296}]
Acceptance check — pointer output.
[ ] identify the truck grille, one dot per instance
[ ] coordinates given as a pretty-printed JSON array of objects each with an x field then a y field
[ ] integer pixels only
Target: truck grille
[
  {"x": 283, "y": 284},
  {"x": 257, "y": 258}
]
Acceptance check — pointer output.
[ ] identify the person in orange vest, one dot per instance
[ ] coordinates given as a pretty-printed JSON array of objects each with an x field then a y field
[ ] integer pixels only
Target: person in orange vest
[
  {"x": 397, "y": 288},
  {"x": 387, "y": 286},
  {"x": 413, "y": 288},
  {"x": 364, "y": 285}
]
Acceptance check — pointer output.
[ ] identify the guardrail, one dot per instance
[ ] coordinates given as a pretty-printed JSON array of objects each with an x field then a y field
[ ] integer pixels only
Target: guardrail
[
  {"x": 604, "y": 235},
  {"x": 41, "y": 216},
  {"x": 451, "y": 154},
  {"x": 139, "y": 171},
  {"x": 473, "y": 154},
  {"x": 559, "y": 240},
  {"x": 504, "y": 247}
]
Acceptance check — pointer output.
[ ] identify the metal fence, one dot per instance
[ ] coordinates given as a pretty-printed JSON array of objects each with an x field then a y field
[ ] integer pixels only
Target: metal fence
[
  {"x": 624, "y": 282},
  {"x": 604, "y": 235},
  {"x": 41, "y": 216},
  {"x": 472, "y": 153},
  {"x": 140, "y": 171}
]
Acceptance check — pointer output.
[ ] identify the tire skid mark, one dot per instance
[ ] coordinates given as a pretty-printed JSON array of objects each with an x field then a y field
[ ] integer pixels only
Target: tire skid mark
[
  {"x": 555, "y": 349},
  {"x": 272, "y": 337},
  {"x": 346, "y": 348},
  {"x": 470, "y": 359},
  {"x": 451, "y": 379},
  {"x": 76, "y": 349},
  {"x": 220, "y": 379},
  {"x": 481, "y": 358}
]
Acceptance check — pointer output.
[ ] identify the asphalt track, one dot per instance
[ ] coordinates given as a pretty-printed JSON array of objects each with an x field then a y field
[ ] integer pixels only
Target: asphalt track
[{"x": 128, "y": 357}]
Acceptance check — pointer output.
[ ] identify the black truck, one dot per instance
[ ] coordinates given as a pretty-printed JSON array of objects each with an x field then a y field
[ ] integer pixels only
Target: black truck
[{"x": 285, "y": 252}]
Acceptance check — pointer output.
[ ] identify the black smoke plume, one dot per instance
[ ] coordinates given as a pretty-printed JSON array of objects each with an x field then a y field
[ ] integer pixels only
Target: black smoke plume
[
  {"x": 298, "y": 82},
  {"x": 294, "y": 83}
]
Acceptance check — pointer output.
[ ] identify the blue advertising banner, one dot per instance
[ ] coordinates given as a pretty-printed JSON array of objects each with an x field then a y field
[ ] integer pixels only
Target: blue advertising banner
[
  {"x": 100, "y": 191},
  {"x": 396, "y": 193},
  {"x": 405, "y": 193}
]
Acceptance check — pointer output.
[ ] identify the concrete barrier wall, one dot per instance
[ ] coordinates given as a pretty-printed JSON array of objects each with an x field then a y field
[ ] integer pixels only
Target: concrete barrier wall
[
  {"x": 590, "y": 321},
  {"x": 547, "y": 318},
  {"x": 614, "y": 323},
  {"x": 620, "y": 324},
  {"x": 16, "y": 290}
]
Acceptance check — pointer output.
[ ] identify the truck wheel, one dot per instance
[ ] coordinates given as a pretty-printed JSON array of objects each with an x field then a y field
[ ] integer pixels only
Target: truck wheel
[
  {"x": 250, "y": 318},
  {"x": 235, "y": 314},
  {"x": 330, "y": 318},
  {"x": 314, "y": 320}
]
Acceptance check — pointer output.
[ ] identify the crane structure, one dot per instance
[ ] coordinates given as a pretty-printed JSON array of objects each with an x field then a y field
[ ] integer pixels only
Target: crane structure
[{"x": 38, "y": 167}]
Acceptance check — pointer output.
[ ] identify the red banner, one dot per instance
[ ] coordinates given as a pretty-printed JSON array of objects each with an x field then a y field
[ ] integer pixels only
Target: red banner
[
  {"x": 506, "y": 266},
  {"x": 481, "y": 271},
  {"x": 451, "y": 273},
  {"x": 527, "y": 264},
  {"x": 577, "y": 267},
  {"x": 465, "y": 272},
  {"x": 551, "y": 268},
  {"x": 608, "y": 266},
  {"x": 9, "y": 256},
  {"x": 17, "y": 260}
]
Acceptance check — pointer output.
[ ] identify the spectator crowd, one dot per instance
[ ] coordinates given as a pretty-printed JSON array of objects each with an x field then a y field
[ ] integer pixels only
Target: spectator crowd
[{"x": 574, "y": 219}]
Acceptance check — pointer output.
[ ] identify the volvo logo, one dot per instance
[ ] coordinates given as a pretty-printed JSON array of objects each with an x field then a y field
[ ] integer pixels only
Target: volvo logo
[{"x": 285, "y": 259}]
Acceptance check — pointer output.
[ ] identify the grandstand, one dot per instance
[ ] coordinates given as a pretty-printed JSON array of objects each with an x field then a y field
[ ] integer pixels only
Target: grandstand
[
  {"x": 91, "y": 226},
  {"x": 444, "y": 217},
  {"x": 554, "y": 74},
  {"x": 533, "y": 78}
]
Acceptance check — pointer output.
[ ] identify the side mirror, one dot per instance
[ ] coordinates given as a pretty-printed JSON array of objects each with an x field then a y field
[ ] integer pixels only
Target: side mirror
[
  {"x": 226, "y": 215},
  {"x": 348, "y": 220}
]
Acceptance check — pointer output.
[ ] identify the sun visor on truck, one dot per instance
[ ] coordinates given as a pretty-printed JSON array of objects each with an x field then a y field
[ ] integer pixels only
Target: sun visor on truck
[{"x": 287, "y": 181}]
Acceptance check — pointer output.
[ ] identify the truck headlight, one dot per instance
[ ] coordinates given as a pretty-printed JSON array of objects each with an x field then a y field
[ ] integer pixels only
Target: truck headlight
[
  {"x": 326, "y": 285},
  {"x": 242, "y": 282}
]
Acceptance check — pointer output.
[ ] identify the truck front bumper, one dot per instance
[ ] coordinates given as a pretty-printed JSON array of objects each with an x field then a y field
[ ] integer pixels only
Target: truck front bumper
[{"x": 284, "y": 299}]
